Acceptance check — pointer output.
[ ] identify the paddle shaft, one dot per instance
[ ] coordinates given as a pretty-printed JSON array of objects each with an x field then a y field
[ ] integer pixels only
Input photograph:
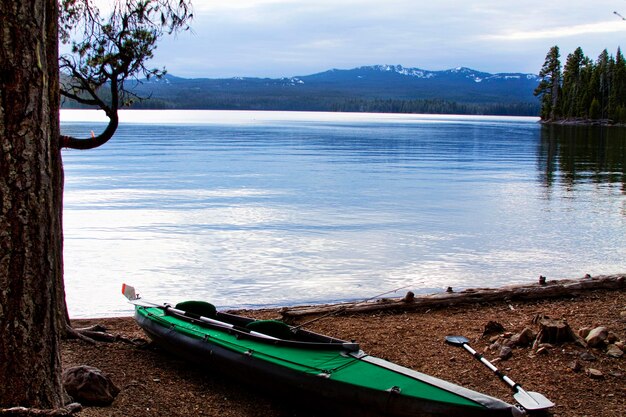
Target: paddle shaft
[
  {"x": 168, "y": 308},
  {"x": 514, "y": 386},
  {"x": 216, "y": 322}
]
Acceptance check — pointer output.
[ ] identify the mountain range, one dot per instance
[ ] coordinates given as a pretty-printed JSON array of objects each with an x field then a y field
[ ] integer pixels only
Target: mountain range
[{"x": 390, "y": 88}]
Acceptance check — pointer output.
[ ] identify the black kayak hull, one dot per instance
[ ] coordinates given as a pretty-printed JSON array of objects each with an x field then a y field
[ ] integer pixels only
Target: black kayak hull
[{"x": 333, "y": 397}]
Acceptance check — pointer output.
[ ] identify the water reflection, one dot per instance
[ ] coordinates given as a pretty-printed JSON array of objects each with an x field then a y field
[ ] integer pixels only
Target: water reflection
[
  {"x": 258, "y": 209},
  {"x": 571, "y": 155}
]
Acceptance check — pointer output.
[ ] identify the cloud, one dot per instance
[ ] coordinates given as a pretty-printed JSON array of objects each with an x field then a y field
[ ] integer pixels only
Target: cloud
[
  {"x": 614, "y": 26},
  {"x": 273, "y": 38}
]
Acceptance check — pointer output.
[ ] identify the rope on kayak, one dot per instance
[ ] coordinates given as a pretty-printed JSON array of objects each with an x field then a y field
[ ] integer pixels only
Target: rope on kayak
[{"x": 344, "y": 308}]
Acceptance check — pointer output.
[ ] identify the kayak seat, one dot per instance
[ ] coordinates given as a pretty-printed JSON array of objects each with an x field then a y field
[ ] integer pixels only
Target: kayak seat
[
  {"x": 201, "y": 308},
  {"x": 272, "y": 328}
]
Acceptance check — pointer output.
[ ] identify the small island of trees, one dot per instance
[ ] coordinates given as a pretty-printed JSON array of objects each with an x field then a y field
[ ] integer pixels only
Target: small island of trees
[{"x": 584, "y": 91}]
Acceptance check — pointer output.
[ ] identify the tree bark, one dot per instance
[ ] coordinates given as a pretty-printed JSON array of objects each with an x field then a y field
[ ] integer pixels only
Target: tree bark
[{"x": 31, "y": 186}]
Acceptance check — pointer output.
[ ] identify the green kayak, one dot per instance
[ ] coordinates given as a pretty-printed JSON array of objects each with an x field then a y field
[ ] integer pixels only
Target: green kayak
[{"x": 333, "y": 374}]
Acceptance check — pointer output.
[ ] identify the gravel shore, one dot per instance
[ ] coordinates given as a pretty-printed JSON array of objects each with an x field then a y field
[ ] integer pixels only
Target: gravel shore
[{"x": 155, "y": 383}]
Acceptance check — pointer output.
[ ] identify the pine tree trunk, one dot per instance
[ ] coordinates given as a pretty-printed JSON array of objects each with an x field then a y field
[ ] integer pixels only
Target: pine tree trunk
[
  {"x": 555, "y": 94},
  {"x": 30, "y": 206}
]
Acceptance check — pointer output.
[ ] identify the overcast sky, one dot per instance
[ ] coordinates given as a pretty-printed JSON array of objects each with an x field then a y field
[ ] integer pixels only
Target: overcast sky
[{"x": 276, "y": 38}]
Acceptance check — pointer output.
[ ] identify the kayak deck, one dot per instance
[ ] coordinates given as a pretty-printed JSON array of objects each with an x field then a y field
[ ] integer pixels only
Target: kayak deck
[{"x": 315, "y": 364}]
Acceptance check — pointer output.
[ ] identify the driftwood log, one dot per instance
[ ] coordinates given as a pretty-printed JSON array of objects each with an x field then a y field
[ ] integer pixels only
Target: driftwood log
[{"x": 545, "y": 289}]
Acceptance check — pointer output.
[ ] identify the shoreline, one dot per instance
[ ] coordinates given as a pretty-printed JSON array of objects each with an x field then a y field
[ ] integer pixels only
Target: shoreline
[
  {"x": 154, "y": 383},
  {"x": 581, "y": 123}
]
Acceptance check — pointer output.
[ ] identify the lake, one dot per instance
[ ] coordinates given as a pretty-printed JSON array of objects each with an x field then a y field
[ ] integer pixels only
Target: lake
[{"x": 259, "y": 209}]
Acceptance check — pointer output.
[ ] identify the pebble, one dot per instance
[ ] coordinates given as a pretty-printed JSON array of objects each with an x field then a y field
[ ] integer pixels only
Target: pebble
[
  {"x": 510, "y": 342},
  {"x": 586, "y": 356},
  {"x": 525, "y": 337},
  {"x": 575, "y": 366},
  {"x": 505, "y": 353},
  {"x": 89, "y": 385},
  {"x": 543, "y": 351},
  {"x": 594, "y": 373},
  {"x": 597, "y": 336},
  {"x": 614, "y": 351},
  {"x": 584, "y": 331}
]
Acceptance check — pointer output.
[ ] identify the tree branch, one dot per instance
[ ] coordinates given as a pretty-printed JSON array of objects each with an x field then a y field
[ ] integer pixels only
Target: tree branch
[
  {"x": 95, "y": 141},
  {"x": 112, "y": 50}
]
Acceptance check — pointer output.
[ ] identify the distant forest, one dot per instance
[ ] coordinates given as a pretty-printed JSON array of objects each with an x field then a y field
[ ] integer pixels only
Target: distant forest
[
  {"x": 583, "y": 90},
  {"x": 334, "y": 104},
  {"x": 436, "y": 106}
]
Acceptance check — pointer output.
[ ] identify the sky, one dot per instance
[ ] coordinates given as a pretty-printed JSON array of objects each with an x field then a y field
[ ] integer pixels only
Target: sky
[{"x": 285, "y": 38}]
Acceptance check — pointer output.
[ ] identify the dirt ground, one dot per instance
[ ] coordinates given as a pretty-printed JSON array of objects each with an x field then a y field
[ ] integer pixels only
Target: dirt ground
[{"x": 154, "y": 383}]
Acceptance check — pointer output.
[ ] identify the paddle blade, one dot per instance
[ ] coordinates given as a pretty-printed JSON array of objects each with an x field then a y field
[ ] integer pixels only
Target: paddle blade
[
  {"x": 129, "y": 292},
  {"x": 456, "y": 340},
  {"x": 532, "y": 401}
]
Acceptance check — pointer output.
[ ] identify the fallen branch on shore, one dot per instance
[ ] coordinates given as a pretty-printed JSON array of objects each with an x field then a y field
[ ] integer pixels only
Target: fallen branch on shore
[
  {"x": 543, "y": 290},
  {"x": 68, "y": 410}
]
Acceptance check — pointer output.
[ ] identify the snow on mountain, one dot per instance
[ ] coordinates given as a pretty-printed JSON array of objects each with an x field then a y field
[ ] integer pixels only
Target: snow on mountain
[
  {"x": 476, "y": 76},
  {"x": 399, "y": 69}
]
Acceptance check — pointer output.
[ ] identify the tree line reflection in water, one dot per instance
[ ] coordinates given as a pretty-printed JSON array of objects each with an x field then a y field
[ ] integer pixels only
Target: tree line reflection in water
[{"x": 572, "y": 155}]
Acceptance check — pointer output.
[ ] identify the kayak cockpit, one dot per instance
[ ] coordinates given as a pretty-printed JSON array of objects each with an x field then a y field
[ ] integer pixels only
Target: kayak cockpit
[{"x": 267, "y": 331}]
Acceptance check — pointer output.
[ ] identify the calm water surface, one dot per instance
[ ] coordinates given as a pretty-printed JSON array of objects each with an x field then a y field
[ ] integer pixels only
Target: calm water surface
[{"x": 267, "y": 208}]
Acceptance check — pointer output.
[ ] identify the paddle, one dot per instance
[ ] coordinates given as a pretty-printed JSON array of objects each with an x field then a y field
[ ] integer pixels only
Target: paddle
[
  {"x": 531, "y": 401},
  {"x": 133, "y": 298}
]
